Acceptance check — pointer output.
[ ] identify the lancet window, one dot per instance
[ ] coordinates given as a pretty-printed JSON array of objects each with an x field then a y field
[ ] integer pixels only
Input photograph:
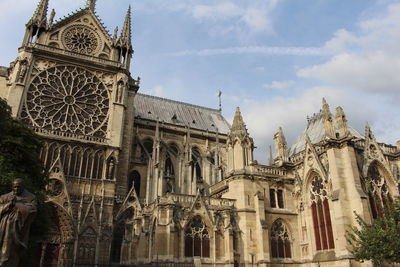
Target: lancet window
[
  {"x": 197, "y": 239},
  {"x": 134, "y": 179},
  {"x": 196, "y": 165},
  {"x": 280, "y": 241},
  {"x": 76, "y": 161},
  {"x": 321, "y": 214},
  {"x": 276, "y": 198},
  {"x": 378, "y": 192}
]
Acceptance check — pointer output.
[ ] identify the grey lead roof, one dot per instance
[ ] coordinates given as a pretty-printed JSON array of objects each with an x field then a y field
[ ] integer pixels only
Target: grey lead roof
[
  {"x": 180, "y": 114},
  {"x": 316, "y": 132}
]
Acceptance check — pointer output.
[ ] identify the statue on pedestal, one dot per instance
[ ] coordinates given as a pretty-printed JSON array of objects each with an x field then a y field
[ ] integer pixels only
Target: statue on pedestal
[{"x": 17, "y": 210}]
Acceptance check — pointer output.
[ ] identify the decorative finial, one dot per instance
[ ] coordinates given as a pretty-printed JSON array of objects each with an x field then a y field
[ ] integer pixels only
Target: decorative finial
[
  {"x": 39, "y": 18},
  {"x": 91, "y": 4},
  {"x": 125, "y": 38},
  {"x": 220, "y": 100},
  {"x": 52, "y": 15}
]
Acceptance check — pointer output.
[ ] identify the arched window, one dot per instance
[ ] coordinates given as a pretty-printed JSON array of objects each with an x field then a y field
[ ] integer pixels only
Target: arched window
[
  {"x": 169, "y": 168},
  {"x": 147, "y": 147},
  {"x": 197, "y": 239},
  {"x": 378, "y": 192},
  {"x": 196, "y": 165},
  {"x": 134, "y": 180},
  {"x": 321, "y": 214},
  {"x": 280, "y": 241},
  {"x": 169, "y": 175}
]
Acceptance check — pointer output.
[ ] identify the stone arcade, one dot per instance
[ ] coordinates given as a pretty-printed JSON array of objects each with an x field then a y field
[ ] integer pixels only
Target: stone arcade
[{"x": 137, "y": 179}]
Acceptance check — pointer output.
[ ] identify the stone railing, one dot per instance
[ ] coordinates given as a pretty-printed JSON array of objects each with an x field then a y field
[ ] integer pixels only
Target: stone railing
[
  {"x": 177, "y": 198},
  {"x": 299, "y": 157},
  {"x": 70, "y": 135},
  {"x": 74, "y": 54},
  {"x": 387, "y": 149},
  {"x": 270, "y": 170}
]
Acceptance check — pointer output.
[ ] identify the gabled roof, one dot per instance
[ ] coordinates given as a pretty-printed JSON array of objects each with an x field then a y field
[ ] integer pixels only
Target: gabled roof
[
  {"x": 81, "y": 12},
  {"x": 316, "y": 132},
  {"x": 181, "y": 114}
]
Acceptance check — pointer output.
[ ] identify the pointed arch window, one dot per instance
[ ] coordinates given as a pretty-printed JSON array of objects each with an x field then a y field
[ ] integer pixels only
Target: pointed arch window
[
  {"x": 280, "y": 241},
  {"x": 147, "y": 147},
  {"x": 134, "y": 180},
  {"x": 378, "y": 192},
  {"x": 197, "y": 239},
  {"x": 196, "y": 165},
  {"x": 321, "y": 214}
]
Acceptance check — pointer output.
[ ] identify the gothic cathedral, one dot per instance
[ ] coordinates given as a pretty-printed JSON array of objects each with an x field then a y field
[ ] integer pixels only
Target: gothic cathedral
[{"x": 136, "y": 179}]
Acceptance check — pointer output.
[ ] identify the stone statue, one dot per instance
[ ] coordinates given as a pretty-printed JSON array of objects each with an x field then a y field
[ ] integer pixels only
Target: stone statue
[
  {"x": 17, "y": 210},
  {"x": 22, "y": 69}
]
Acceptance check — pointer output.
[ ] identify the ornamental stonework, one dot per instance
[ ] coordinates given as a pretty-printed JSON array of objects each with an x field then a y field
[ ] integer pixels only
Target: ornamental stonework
[
  {"x": 67, "y": 99},
  {"x": 81, "y": 39}
]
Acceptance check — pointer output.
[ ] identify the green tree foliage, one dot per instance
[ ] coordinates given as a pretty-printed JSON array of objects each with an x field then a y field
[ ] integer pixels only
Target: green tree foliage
[
  {"x": 378, "y": 241},
  {"x": 19, "y": 158}
]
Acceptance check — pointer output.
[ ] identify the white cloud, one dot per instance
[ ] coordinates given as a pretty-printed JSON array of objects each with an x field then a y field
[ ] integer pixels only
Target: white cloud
[
  {"x": 269, "y": 50},
  {"x": 264, "y": 116},
  {"x": 368, "y": 60},
  {"x": 257, "y": 20},
  {"x": 249, "y": 18},
  {"x": 157, "y": 90},
  {"x": 219, "y": 11},
  {"x": 375, "y": 72},
  {"x": 278, "y": 84}
]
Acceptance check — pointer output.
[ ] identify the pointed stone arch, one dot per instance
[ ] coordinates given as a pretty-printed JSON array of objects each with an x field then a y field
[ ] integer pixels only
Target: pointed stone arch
[
  {"x": 380, "y": 187},
  {"x": 280, "y": 239},
  {"x": 197, "y": 237}
]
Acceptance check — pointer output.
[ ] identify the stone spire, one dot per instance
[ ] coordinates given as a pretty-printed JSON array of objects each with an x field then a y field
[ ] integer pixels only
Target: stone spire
[
  {"x": 91, "y": 4},
  {"x": 341, "y": 122},
  {"x": 238, "y": 126},
  {"x": 39, "y": 18},
  {"x": 125, "y": 40},
  {"x": 240, "y": 145},
  {"x": 281, "y": 147},
  {"x": 327, "y": 118}
]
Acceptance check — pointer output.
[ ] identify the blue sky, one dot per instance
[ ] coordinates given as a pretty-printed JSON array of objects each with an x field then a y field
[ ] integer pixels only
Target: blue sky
[{"x": 275, "y": 59}]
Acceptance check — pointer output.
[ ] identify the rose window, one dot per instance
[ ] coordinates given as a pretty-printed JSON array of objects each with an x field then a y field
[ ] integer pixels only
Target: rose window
[
  {"x": 68, "y": 99},
  {"x": 81, "y": 39}
]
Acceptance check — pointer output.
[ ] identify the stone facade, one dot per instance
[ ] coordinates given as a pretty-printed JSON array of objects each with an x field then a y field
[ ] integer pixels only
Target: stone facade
[{"x": 137, "y": 179}]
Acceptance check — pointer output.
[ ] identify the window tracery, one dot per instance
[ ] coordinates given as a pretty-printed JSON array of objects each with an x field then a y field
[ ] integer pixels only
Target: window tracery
[
  {"x": 378, "y": 192},
  {"x": 280, "y": 241},
  {"x": 67, "y": 99},
  {"x": 197, "y": 239},
  {"x": 80, "y": 39},
  {"x": 321, "y": 214}
]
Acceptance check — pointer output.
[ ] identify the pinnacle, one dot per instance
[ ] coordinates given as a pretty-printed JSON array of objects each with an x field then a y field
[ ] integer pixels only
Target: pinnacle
[
  {"x": 39, "y": 18},
  {"x": 125, "y": 38},
  {"x": 238, "y": 125},
  {"x": 91, "y": 4}
]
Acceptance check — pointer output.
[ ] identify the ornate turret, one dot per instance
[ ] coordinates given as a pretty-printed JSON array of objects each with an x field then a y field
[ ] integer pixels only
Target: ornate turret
[
  {"x": 240, "y": 145},
  {"x": 238, "y": 128},
  {"x": 91, "y": 4},
  {"x": 38, "y": 22},
  {"x": 341, "y": 122},
  {"x": 328, "y": 122},
  {"x": 124, "y": 42},
  {"x": 281, "y": 147}
]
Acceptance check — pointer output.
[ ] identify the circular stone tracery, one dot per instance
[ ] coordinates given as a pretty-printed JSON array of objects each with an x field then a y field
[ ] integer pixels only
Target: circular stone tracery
[
  {"x": 68, "y": 99},
  {"x": 80, "y": 39}
]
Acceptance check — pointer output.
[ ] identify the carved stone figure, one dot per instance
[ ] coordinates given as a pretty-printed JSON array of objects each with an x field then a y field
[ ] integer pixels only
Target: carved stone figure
[
  {"x": 22, "y": 69},
  {"x": 17, "y": 210}
]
